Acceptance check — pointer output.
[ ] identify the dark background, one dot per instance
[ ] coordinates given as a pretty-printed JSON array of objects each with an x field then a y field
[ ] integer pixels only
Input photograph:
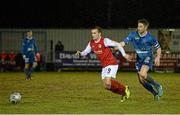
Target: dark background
[{"x": 87, "y": 13}]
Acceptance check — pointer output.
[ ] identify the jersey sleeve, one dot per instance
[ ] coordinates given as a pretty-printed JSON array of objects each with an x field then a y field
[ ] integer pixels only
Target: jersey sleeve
[
  {"x": 128, "y": 38},
  {"x": 35, "y": 47},
  {"x": 87, "y": 50},
  {"x": 155, "y": 43},
  {"x": 23, "y": 49},
  {"x": 111, "y": 43}
]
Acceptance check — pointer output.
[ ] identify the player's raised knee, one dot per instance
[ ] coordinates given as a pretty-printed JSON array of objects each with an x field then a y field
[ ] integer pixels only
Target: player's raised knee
[
  {"x": 142, "y": 74},
  {"x": 107, "y": 83},
  {"x": 107, "y": 86}
]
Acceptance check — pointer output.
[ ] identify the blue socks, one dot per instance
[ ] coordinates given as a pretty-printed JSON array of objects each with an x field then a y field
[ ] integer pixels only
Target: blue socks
[
  {"x": 150, "y": 80},
  {"x": 30, "y": 71},
  {"x": 149, "y": 88}
]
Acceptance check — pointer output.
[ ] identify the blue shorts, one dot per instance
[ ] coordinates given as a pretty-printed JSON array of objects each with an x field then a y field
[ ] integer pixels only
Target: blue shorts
[
  {"x": 146, "y": 61},
  {"x": 30, "y": 59}
]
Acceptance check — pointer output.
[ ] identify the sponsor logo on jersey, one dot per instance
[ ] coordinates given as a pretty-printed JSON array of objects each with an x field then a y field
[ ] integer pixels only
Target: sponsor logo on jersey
[{"x": 137, "y": 37}]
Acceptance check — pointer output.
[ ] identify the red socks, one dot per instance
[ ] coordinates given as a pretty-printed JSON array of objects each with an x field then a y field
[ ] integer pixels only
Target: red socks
[{"x": 117, "y": 87}]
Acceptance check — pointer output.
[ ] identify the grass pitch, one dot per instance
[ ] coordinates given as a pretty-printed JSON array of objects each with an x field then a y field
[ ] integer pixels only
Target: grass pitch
[{"x": 83, "y": 92}]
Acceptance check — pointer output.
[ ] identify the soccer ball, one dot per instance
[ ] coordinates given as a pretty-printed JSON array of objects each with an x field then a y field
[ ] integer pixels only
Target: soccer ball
[{"x": 15, "y": 97}]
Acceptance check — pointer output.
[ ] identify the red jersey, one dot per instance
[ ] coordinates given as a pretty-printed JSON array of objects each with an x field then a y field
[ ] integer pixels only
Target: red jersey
[{"x": 103, "y": 53}]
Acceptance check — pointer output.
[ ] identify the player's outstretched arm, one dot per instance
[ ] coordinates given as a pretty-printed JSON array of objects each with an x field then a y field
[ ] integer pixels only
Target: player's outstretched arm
[
  {"x": 122, "y": 45},
  {"x": 85, "y": 52},
  {"x": 118, "y": 46},
  {"x": 127, "y": 57}
]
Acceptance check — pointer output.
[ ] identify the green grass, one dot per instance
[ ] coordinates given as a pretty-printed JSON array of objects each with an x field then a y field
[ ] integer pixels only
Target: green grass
[{"x": 83, "y": 92}]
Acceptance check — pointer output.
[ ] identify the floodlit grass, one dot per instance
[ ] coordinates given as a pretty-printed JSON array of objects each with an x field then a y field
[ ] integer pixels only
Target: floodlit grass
[{"x": 83, "y": 92}]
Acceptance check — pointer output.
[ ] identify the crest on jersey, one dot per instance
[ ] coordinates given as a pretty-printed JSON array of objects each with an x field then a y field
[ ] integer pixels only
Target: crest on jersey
[
  {"x": 137, "y": 37},
  {"x": 99, "y": 46}
]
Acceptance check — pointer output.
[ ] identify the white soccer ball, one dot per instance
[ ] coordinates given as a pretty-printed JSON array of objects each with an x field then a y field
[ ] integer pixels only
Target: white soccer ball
[{"x": 15, "y": 97}]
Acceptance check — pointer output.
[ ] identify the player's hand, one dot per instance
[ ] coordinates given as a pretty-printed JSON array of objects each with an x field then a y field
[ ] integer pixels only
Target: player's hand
[
  {"x": 78, "y": 53},
  {"x": 157, "y": 61},
  {"x": 128, "y": 57}
]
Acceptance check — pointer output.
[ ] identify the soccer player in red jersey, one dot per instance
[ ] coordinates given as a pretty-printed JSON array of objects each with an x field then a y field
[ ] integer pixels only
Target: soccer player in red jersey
[{"x": 100, "y": 46}]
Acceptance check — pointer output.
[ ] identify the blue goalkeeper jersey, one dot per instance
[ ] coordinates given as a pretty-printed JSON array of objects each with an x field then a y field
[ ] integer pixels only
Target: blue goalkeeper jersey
[
  {"x": 143, "y": 45},
  {"x": 29, "y": 46}
]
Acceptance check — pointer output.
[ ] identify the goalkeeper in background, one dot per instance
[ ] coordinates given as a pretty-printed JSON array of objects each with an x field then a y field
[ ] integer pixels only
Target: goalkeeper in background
[{"x": 30, "y": 54}]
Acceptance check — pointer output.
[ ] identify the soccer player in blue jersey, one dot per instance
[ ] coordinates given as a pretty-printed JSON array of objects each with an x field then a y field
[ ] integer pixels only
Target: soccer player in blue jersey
[
  {"x": 144, "y": 43},
  {"x": 30, "y": 52}
]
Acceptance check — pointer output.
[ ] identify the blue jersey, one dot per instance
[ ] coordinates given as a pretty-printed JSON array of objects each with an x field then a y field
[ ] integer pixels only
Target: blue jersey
[
  {"x": 29, "y": 49},
  {"x": 143, "y": 46},
  {"x": 28, "y": 46}
]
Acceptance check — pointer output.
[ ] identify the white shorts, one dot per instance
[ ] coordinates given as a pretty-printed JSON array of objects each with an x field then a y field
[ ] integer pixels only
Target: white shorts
[{"x": 109, "y": 71}]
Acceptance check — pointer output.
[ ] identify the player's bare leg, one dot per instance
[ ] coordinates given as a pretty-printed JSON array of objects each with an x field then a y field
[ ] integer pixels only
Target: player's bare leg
[
  {"x": 116, "y": 87},
  {"x": 143, "y": 71},
  {"x": 107, "y": 83}
]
